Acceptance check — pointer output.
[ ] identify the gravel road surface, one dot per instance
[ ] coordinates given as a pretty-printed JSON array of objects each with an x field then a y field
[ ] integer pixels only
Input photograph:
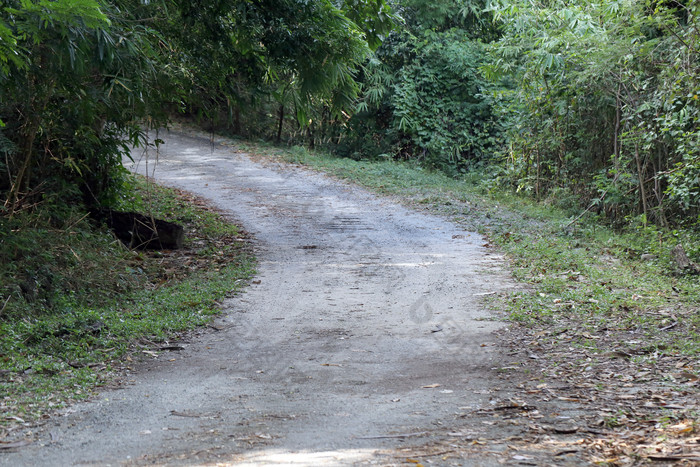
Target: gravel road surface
[{"x": 363, "y": 331}]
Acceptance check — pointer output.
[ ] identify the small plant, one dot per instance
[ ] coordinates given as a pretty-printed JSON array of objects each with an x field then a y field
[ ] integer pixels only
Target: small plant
[{"x": 615, "y": 420}]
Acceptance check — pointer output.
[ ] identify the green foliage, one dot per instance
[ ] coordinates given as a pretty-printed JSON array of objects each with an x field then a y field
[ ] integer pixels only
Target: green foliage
[
  {"x": 254, "y": 65},
  {"x": 85, "y": 76},
  {"x": 439, "y": 102},
  {"x": 443, "y": 15},
  {"x": 424, "y": 95},
  {"x": 604, "y": 104},
  {"x": 374, "y": 18},
  {"x": 80, "y": 78},
  {"x": 51, "y": 252}
]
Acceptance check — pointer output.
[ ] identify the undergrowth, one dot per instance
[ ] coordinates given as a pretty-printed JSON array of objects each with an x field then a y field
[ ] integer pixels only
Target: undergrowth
[{"x": 74, "y": 301}]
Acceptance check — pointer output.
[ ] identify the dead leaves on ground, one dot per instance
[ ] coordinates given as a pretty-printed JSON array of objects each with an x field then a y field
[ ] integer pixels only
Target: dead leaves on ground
[
  {"x": 632, "y": 405},
  {"x": 579, "y": 396},
  {"x": 517, "y": 433}
]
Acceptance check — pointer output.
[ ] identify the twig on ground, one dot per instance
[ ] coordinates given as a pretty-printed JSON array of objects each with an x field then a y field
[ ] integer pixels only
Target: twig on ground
[
  {"x": 670, "y": 326},
  {"x": 402, "y": 435},
  {"x": 431, "y": 454},
  {"x": 5, "y": 304}
]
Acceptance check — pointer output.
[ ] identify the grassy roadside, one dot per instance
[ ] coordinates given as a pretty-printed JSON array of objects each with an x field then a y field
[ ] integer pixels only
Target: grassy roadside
[
  {"x": 76, "y": 304},
  {"x": 607, "y": 326}
]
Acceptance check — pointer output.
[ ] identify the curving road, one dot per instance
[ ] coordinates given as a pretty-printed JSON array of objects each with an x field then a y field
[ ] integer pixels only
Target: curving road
[{"x": 362, "y": 332}]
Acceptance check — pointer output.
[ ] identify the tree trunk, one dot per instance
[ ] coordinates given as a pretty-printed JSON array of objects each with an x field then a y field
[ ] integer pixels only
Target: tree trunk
[
  {"x": 539, "y": 172},
  {"x": 22, "y": 178},
  {"x": 682, "y": 262},
  {"x": 642, "y": 188},
  {"x": 616, "y": 136},
  {"x": 237, "y": 120},
  {"x": 279, "y": 126}
]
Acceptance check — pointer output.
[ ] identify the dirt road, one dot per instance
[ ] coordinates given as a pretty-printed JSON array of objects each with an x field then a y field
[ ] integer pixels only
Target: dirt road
[{"x": 362, "y": 332}]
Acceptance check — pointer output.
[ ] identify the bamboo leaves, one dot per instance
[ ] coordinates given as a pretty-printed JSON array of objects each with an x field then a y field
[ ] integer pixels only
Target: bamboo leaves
[
  {"x": 602, "y": 90},
  {"x": 76, "y": 76}
]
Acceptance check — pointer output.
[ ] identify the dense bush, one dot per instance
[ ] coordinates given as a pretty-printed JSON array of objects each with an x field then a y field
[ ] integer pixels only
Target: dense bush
[
  {"x": 595, "y": 102},
  {"x": 605, "y": 104},
  {"x": 76, "y": 78},
  {"x": 425, "y": 97}
]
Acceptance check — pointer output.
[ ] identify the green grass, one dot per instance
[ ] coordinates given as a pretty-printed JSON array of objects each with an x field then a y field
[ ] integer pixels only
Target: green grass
[
  {"x": 99, "y": 299},
  {"x": 585, "y": 276}
]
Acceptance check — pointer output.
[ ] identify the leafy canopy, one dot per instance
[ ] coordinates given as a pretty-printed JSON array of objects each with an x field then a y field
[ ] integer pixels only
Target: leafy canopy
[{"x": 79, "y": 78}]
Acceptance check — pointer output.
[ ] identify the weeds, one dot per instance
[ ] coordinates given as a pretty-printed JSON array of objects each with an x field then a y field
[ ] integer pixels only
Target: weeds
[{"x": 93, "y": 299}]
